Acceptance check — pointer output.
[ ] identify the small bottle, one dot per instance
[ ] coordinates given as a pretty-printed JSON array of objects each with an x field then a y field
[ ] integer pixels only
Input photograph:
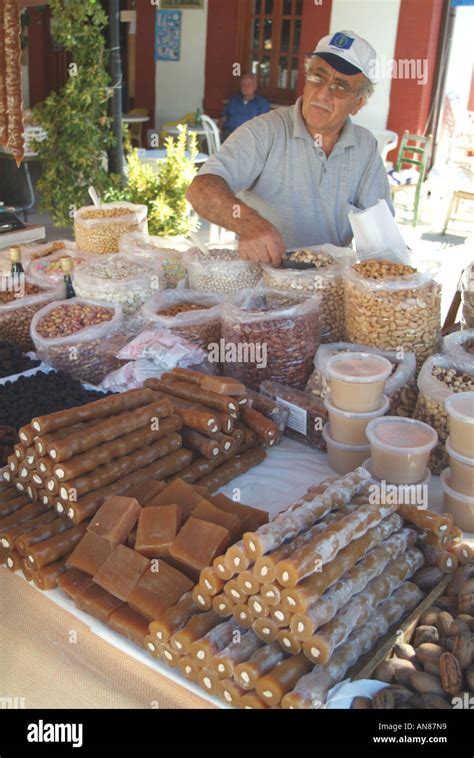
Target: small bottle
[
  {"x": 66, "y": 265},
  {"x": 198, "y": 117},
  {"x": 15, "y": 257}
]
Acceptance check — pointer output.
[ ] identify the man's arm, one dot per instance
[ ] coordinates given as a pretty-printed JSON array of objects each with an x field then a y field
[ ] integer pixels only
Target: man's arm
[
  {"x": 374, "y": 184},
  {"x": 234, "y": 168},
  {"x": 212, "y": 199}
]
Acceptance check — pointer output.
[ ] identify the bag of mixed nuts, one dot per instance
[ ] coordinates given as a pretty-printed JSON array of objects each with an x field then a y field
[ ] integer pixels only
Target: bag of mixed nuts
[{"x": 439, "y": 378}]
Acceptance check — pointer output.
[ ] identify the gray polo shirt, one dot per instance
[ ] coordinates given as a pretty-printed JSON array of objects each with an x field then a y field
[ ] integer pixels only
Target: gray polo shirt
[{"x": 274, "y": 166}]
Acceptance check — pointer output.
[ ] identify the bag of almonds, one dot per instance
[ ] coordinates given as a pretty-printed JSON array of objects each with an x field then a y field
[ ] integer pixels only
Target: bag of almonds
[
  {"x": 439, "y": 378},
  {"x": 467, "y": 293},
  {"x": 401, "y": 386},
  {"x": 72, "y": 336},
  {"x": 270, "y": 334},
  {"x": 196, "y": 316},
  {"x": 393, "y": 306},
  {"x": 169, "y": 251},
  {"x": 459, "y": 347},
  {"x": 98, "y": 230},
  {"x": 323, "y": 278},
  {"x": 20, "y": 299}
]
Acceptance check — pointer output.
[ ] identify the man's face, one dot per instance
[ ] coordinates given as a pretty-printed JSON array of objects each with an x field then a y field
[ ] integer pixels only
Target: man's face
[
  {"x": 248, "y": 87},
  {"x": 323, "y": 111}
]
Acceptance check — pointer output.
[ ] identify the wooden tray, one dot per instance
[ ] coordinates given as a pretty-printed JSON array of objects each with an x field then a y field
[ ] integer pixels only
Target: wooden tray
[{"x": 399, "y": 632}]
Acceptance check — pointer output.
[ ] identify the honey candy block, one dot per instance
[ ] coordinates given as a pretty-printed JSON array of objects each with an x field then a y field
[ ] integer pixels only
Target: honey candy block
[
  {"x": 97, "y": 602},
  {"x": 178, "y": 493},
  {"x": 160, "y": 587},
  {"x": 205, "y": 511},
  {"x": 90, "y": 554},
  {"x": 145, "y": 491},
  {"x": 158, "y": 525},
  {"x": 129, "y": 623},
  {"x": 121, "y": 571},
  {"x": 223, "y": 385},
  {"x": 73, "y": 582},
  {"x": 251, "y": 518},
  {"x": 199, "y": 542},
  {"x": 116, "y": 518}
]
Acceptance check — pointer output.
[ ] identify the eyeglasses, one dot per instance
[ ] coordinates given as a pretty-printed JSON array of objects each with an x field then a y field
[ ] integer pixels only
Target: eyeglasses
[{"x": 338, "y": 89}]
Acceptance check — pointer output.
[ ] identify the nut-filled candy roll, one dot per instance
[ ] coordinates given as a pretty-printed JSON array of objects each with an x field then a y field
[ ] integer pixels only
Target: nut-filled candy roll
[
  {"x": 40, "y": 534},
  {"x": 210, "y": 581},
  {"x": 174, "y": 618},
  {"x": 291, "y": 522},
  {"x": 247, "y": 583},
  {"x": 195, "y": 628},
  {"x": 224, "y": 606},
  {"x": 224, "y": 662},
  {"x": 8, "y": 536},
  {"x": 282, "y": 678},
  {"x": 240, "y": 611},
  {"x": 46, "y": 578},
  {"x": 229, "y": 692},
  {"x": 189, "y": 668},
  {"x": 214, "y": 641},
  {"x": 298, "y": 599},
  {"x": 266, "y": 629},
  {"x": 59, "y": 546},
  {"x": 247, "y": 674},
  {"x": 201, "y": 598},
  {"x": 98, "y": 409}
]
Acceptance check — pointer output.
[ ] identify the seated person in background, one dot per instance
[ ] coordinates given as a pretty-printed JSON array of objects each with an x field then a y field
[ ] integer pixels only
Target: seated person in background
[{"x": 243, "y": 107}]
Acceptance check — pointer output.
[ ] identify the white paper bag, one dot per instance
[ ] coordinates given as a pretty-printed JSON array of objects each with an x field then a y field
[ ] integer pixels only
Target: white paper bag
[{"x": 375, "y": 231}]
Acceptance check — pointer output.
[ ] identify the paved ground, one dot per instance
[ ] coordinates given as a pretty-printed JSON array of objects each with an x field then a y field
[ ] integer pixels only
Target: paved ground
[{"x": 452, "y": 251}]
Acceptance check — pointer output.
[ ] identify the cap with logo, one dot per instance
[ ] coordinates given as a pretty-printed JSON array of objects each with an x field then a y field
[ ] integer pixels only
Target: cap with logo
[{"x": 348, "y": 53}]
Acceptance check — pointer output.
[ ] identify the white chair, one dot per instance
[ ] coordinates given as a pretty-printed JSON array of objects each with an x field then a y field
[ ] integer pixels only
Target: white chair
[
  {"x": 386, "y": 140},
  {"x": 213, "y": 137}
]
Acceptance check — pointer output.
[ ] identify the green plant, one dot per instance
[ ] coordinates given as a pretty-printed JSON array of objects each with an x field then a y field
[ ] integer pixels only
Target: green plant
[
  {"x": 164, "y": 190},
  {"x": 73, "y": 156}
]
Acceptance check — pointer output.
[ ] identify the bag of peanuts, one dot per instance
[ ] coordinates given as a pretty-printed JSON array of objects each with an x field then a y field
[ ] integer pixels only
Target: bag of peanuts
[
  {"x": 439, "y": 378},
  {"x": 467, "y": 294},
  {"x": 196, "y": 316},
  {"x": 20, "y": 299},
  {"x": 222, "y": 270},
  {"x": 118, "y": 279},
  {"x": 323, "y": 278},
  {"x": 400, "y": 387},
  {"x": 98, "y": 230},
  {"x": 392, "y": 306},
  {"x": 459, "y": 347},
  {"x": 47, "y": 270},
  {"x": 70, "y": 336},
  {"x": 270, "y": 334},
  {"x": 169, "y": 251}
]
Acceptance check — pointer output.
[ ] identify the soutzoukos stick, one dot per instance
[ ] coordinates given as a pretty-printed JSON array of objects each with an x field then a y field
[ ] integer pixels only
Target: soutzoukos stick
[
  {"x": 320, "y": 648},
  {"x": 264, "y": 660},
  {"x": 325, "y": 608},
  {"x": 224, "y": 662},
  {"x": 298, "y": 599},
  {"x": 324, "y": 547},
  {"x": 312, "y": 689},
  {"x": 107, "y": 406},
  {"x": 304, "y": 514}
]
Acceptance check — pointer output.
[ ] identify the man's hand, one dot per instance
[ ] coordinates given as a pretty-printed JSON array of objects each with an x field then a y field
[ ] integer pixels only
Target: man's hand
[{"x": 261, "y": 242}]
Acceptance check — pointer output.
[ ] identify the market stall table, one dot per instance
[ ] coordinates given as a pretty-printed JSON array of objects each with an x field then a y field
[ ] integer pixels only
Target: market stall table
[{"x": 42, "y": 669}]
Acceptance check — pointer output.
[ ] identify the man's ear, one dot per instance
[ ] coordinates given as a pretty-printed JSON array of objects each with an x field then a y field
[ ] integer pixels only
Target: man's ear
[{"x": 360, "y": 104}]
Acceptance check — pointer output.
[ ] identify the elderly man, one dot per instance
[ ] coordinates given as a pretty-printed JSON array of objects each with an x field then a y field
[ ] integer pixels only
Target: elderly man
[
  {"x": 243, "y": 107},
  {"x": 288, "y": 179}
]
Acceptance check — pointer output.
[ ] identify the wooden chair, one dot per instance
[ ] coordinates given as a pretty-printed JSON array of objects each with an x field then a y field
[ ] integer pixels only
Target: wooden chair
[
  {"x": 456, "y": 197},
  {"x": 415, "y": 150},
  {"x": 136, "y": 129}
]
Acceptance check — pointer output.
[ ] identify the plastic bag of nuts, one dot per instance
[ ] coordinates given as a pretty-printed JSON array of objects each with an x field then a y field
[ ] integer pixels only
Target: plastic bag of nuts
[
  {"x": 459, "y": 347},
  {"x": 47, "y": 271},
  {"x": 30, "y": 252},
  {"x": 270, "y": 334},
  {"x": 221, "y": 271},
  {"x": 70, "y": 336},
  {"x": 325, "y": 279},
  {"x": 401, "y": 386},
  {"x": 196, "y": 316},
  {"x": 118, "y": 279},
  {"x": 393, "y": 306},
  {"x": 168, "y": 251},
  {"x": 467, "y": 291},
  {"x": 20, "y": 299},
  {"x": 98, "y": 230},
  {"x": 439, "y": 378}
]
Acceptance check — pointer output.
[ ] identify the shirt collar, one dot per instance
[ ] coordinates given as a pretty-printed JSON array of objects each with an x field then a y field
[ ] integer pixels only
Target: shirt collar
[{"x": 346, "y": 137}]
